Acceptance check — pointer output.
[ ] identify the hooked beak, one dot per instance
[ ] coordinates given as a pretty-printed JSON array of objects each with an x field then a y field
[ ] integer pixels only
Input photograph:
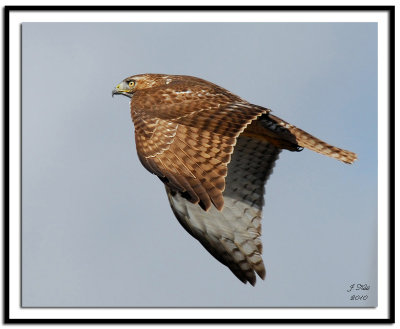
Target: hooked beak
[{"x": 122, "y": 89}]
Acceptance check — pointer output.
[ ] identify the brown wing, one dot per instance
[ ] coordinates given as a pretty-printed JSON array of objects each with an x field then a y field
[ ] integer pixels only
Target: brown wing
[
  {"x": 232, "y": 235},
  {"x": 185, "y": 133}
]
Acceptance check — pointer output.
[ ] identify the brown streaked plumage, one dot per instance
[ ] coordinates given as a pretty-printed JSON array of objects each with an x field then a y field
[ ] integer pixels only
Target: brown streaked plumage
[{"x": 214, "y": 152}]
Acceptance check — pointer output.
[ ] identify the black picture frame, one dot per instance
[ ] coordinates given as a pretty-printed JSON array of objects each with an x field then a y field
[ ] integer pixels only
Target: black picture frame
[{"x": 8, "y": 10}]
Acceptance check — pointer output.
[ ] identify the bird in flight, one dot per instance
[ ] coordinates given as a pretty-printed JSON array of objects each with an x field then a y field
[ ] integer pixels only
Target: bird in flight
[{"x": 214, "y": 151}]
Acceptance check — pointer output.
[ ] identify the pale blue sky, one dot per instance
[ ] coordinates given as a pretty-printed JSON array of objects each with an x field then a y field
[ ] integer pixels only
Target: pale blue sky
[{"x": 97, "y": 227}]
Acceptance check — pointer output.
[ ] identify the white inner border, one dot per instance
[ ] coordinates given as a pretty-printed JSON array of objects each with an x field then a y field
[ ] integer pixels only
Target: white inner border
[{"x": 16, "y": 18}]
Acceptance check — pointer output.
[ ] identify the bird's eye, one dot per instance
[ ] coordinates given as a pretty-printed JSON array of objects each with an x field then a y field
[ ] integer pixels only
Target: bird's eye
[{"x": 131, "y": 83}]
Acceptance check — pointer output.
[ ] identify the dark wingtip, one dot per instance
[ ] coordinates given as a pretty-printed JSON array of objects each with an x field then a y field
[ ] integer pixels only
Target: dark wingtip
[
  {"x": 261, "y": 274},
  {"x": 218, "y": 203},
  {"x": 203, "y": 206}
]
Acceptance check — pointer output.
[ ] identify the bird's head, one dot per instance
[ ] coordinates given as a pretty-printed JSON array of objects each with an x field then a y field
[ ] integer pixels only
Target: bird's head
[{"x": 130, "y": 85}]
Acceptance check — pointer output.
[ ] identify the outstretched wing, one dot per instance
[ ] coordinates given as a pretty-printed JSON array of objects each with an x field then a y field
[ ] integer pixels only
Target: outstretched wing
[
  {"x": 232, "y": 235},
  {"x": 185, "y": 134}
]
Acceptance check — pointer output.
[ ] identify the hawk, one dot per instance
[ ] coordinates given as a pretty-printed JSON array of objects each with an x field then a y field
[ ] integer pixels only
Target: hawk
[{"x": 214, "y": 151}]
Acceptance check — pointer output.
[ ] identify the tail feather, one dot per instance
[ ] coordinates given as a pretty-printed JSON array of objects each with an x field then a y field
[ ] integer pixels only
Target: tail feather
[{"x": 312, "y": 143}]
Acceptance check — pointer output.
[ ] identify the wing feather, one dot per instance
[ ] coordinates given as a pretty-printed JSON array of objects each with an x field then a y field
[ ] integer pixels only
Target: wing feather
[
  {"x": 187, "y": 135},
  {"x": 232, "y": 235}
]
